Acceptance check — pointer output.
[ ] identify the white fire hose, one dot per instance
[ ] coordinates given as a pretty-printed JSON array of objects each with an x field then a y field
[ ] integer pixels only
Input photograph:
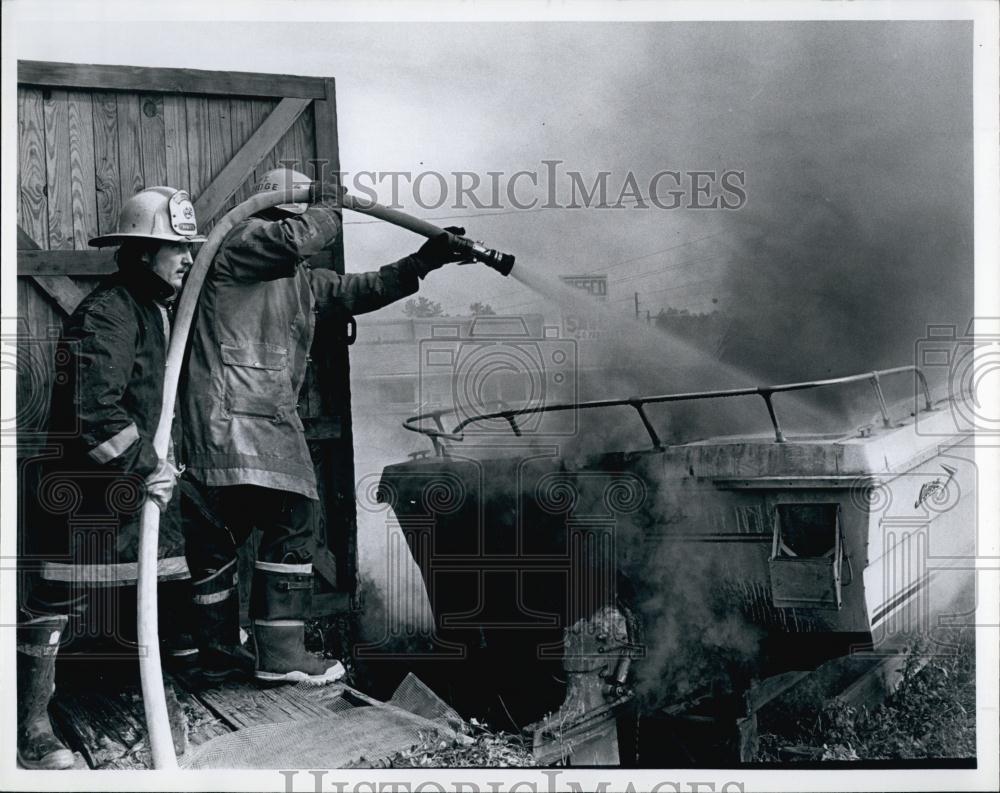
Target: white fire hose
[{"x": 153, "y": 695}]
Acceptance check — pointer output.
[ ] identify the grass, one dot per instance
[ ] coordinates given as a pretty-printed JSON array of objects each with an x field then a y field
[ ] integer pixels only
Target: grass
[{"x": 932, "y": 714}]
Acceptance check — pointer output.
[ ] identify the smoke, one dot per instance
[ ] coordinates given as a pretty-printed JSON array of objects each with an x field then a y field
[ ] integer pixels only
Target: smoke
[
  {"x": 633, "y": 359},
  {"x": 695, "y": 638},
  {"x": 856, "y": 140},
  {"x": 858, "y": 233}
]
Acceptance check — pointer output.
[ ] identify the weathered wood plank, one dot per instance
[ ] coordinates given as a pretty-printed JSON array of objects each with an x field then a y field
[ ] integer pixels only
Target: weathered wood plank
[
  {"x": 321, "y": 428},
  {"x": 305, "y": 139},
  {"x": 199, "y": 151},
  {"x": 340, "y": 525},
  {"x": 31, "y": 165},
  {"x": 220, "y": 133},
  {"x": 94, "y": 727},
  {"x": 64, "y": 291},
  {"x": 325, "y": 132},
  {"x": 241, "y": 114},
  {"x": 236, "y": 168},
  {"x": 176, "y": 141},
  {"x": 57, "y": 170},
  {"x": 107, "y": 723},
  {"x": 328, "y": 164},
  {"x": 89, "y": 262},
  {"x": 106, "y": 162},
  {"x": 290, "y": 149},
  {"x": 261, "y": 109},
  {"x": 203, "y": 725},
  {"x": 245, "y": 704},
  {"x": 20, "y": 111},
  {"x": 35, "y": 353},
  {"x": 81, "y": 164},
  {"x": 129, "y": 146},
  {"x": 24, "y": 240},
  {"x": 870, "y": 689},
  {"x": 177, "y": 81},
  {"x": 758, "y": 695},
  {"x": 324, "y": 562},
  {"x": 153, "y": 139}
]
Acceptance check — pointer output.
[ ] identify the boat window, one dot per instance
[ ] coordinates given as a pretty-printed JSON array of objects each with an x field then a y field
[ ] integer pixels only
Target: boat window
[{"x": 808, "y": 530}]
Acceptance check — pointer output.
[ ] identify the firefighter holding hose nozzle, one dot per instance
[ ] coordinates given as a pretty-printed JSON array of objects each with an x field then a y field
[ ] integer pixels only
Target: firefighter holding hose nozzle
[{"x": 244, "y": 442}]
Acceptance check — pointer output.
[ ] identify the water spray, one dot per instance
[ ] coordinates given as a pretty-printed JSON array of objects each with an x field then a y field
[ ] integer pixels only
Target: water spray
[{"x": 476, "y": 251}]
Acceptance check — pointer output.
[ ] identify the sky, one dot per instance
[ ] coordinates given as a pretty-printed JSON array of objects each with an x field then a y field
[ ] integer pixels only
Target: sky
[{"x": 869, "y": 121}]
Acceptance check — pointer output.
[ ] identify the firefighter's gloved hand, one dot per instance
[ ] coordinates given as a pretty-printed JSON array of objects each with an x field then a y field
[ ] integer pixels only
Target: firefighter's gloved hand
[
  {"x": 327, "y": 191},
  {"x": 160, "y": 484},
  {"x": 440, "y": 250}
]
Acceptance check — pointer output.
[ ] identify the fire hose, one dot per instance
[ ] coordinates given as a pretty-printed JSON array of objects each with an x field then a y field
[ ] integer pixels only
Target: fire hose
[{"x": 153, "y": 693}]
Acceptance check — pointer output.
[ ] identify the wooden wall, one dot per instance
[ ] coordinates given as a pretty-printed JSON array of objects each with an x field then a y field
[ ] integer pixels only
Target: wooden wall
[
  {"x": 82, "y": 152},
  {"x": 90, "y": 137}
]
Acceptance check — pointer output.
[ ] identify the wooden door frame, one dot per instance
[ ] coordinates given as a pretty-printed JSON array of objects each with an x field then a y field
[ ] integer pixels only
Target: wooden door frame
[{"x": 52, "y": 271}]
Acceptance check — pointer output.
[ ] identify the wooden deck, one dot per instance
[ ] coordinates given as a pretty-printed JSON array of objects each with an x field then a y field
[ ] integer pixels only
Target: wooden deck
[{"x": 101, "y": 716}]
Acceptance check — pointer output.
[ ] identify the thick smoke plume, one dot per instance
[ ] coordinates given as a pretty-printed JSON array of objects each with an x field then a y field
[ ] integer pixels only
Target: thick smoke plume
[{"x": 857, "y": 149}]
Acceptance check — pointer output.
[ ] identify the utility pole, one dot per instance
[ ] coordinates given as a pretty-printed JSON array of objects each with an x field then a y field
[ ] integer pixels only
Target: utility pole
[{"x": 636, "y": 305}]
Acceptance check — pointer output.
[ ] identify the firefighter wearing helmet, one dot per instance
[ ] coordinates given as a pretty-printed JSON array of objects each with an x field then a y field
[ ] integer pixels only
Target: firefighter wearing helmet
[
  {"x": 243, "y": 438},
  {"x": 85, "y": 518}
]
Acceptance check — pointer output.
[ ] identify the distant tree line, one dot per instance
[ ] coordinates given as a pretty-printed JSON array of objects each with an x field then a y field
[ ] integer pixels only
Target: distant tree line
[{"x": 422, "y": 307}]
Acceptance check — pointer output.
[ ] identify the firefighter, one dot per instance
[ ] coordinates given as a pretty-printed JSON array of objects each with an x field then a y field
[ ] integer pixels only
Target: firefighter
[
  {"x": 105, "y": 407},
  {"x": 243, "y": 438}
]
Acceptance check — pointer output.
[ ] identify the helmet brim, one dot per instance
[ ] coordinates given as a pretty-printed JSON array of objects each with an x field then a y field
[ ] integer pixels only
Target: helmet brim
[{"x": 107, "y": 240}]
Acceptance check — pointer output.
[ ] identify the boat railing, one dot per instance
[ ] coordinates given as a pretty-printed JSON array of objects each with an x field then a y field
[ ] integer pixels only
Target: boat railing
[{"x": 438, "y": 434}]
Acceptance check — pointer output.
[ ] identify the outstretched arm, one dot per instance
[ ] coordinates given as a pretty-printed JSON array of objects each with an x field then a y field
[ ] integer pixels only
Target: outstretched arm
[{"x": 358, "y": 293}]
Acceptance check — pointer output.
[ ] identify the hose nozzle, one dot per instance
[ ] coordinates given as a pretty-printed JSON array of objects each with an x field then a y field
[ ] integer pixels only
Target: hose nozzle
[{"x": 503, "y": 263}]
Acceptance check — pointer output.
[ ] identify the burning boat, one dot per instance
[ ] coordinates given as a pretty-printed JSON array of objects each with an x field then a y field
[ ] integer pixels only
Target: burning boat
[{"x": 691, "y": 582}]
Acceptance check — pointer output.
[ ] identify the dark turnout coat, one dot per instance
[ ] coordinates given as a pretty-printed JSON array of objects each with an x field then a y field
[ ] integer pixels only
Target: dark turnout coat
[
  {"x": 106, "y": 404},
  {"x": 250, "y": 343}
]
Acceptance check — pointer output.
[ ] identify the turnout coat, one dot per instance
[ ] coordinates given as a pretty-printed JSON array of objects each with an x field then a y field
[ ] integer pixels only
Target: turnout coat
[
  {"x": 106, "y": 405},
  {"x": 250, "y": 345}
]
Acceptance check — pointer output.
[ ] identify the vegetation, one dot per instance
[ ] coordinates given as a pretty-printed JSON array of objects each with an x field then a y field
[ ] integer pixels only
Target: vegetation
[
  {"x": 422, "y": 307},
  {"x": 932, "y": 714},
  {"x": 488, "y": 750}
]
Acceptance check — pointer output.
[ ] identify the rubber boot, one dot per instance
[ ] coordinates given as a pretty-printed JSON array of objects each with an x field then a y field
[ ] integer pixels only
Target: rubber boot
[
  {"x": 178, "y": 647},
  {"x": 217, "y": 626},
  {"x": 279, "y": 602},
  {"x": 37, "y": 645}
]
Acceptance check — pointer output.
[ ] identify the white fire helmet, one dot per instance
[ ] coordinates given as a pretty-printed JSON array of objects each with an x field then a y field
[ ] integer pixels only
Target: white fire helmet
[
  {"x": 284, "y": 179},
  {"x": 156, "y": 213}
]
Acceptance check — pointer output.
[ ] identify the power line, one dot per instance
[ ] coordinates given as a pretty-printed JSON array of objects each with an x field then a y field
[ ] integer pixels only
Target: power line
[
  {"x": 626, "y": 279},
  {"x": 673, "y": 288},
  {"x": 651, "y": 273},
  {"x": 631, "y": 277},
  {"x": 654, "y": 253}
]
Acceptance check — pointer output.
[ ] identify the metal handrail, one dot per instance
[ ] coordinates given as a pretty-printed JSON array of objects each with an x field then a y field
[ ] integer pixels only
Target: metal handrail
[{"x": 637, "y": 403}]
